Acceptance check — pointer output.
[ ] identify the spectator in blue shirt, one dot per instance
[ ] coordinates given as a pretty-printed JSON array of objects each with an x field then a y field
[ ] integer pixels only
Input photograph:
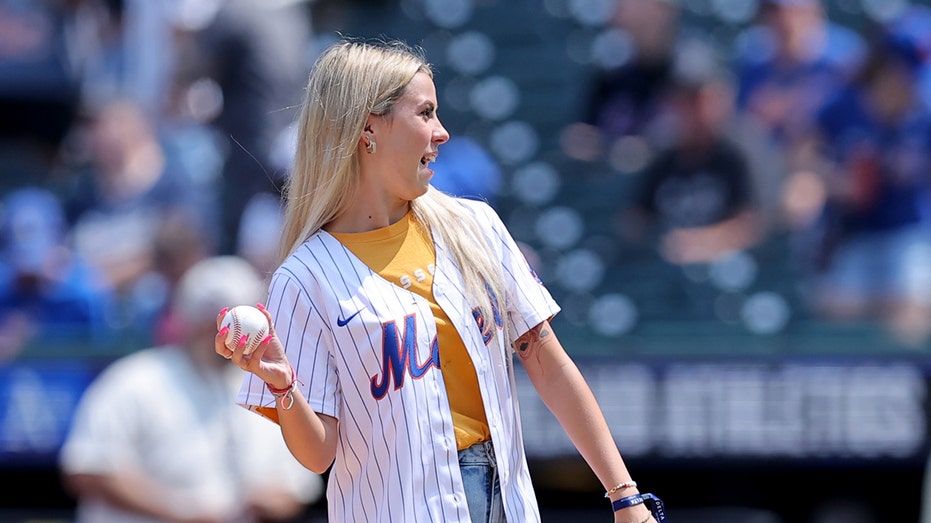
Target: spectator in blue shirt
[
  {"x": 876, "y": 140},
  {"x": 789, "y": 65},
  {"x": 49, "y": 297}
]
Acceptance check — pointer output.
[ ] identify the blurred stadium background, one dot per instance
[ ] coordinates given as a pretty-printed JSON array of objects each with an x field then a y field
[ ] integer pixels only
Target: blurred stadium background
[{"x": 730, "y": 396}]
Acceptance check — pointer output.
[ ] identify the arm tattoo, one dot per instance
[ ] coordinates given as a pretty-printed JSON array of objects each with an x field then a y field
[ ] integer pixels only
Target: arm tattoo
[{"x": 530, "y": 340}]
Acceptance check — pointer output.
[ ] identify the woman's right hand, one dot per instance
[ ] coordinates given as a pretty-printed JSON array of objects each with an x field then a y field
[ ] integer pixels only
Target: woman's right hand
[{"x": 268, "y": 361}]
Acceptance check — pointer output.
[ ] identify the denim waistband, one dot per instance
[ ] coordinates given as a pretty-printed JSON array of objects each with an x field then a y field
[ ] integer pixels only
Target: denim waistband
[{"x": 482, "y": 452}]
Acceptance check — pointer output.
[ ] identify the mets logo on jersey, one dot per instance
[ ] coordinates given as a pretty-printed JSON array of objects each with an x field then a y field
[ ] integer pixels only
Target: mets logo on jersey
[{"x": 399, "y": 350}]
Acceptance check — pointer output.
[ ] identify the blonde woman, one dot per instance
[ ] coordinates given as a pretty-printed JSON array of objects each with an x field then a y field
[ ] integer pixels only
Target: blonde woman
[{"x": 398, "y": 311}]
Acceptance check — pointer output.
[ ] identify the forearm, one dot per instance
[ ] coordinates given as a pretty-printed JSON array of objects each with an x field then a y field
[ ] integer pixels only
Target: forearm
[
  {"x": 311, "y": 437},
  {"x": 563, "y": 389},
  {"x": 571, "y": 401}
]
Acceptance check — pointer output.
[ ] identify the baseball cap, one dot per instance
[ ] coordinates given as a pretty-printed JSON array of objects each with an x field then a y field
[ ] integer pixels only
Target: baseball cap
[{"x": 214, "y": 283}]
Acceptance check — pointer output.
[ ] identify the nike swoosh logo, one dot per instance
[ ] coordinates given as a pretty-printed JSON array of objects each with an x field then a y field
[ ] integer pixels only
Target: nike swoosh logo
[{"x": 342, "y": 323}]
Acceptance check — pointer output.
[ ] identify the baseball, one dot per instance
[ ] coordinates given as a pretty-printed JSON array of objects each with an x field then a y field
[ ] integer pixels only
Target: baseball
[{"x": 245, "y": 320}]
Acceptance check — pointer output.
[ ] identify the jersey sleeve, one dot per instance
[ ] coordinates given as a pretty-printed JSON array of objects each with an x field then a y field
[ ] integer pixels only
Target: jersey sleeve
[
  {"x": 308, "y": 343},
  {"x": 528, "y": 302}
]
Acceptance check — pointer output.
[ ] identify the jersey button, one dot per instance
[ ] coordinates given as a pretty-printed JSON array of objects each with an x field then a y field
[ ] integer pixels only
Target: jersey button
[{"x": 439, "y": 289}]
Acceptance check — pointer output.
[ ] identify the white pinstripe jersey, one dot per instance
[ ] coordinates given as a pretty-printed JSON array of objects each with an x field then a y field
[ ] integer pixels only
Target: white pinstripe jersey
[{"x": 365, "y": 352}]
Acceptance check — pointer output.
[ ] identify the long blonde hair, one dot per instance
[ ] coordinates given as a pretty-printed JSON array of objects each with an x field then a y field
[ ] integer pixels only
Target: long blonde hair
[{"x": 349, "y": 81}]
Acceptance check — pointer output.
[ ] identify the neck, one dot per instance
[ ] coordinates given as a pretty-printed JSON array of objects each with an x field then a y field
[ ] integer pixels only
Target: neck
[{"x": 364, "y": 218}]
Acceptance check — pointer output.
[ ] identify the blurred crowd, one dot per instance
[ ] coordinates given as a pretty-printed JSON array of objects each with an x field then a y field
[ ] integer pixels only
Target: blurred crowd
[
  {"x": 802, "y": 127},
  {"x": 140, "y": 137}
]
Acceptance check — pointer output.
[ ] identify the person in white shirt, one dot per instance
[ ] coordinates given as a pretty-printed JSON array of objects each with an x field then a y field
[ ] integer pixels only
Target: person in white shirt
[{"x": 158, "y": 437}]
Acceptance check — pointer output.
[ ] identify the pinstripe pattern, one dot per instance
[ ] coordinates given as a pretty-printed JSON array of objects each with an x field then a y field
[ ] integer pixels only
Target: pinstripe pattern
[{"x": 397, "y": 459}]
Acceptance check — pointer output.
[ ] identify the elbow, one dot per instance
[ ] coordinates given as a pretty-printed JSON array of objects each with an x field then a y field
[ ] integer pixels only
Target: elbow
[
  {"x": 319, "y": 465},
  {"x": 318, "y": 470},
  {"x": 317, "y": 460},
  {"x": 313, "y": 446}
]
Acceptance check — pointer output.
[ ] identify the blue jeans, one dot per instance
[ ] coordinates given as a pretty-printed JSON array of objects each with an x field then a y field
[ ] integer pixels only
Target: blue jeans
[{"x": 480, "y": 478}]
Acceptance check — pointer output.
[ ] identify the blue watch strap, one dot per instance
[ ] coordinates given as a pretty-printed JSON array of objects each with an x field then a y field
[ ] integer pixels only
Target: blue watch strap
[{"x": 652, "y": 502}]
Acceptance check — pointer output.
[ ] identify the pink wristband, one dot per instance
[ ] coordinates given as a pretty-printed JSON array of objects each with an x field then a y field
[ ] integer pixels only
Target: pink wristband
[
  {"x": 284, "y": 393},
  {"x": 281, "y": 392}
]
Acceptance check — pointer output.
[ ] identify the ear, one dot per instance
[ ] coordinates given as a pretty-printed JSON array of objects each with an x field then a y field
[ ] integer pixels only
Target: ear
[{"x": 368, "y": 132}]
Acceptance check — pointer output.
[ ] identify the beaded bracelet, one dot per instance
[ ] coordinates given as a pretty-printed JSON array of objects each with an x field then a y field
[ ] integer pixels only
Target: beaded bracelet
[
  {"x": 620, "y": 486},
  {"x": 285, "y": 393},
  {"x": 652, "y": 502}
]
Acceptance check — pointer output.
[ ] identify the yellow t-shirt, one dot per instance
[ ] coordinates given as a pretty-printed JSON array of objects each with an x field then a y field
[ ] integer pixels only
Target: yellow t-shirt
[{"x": 403, "y": 254}]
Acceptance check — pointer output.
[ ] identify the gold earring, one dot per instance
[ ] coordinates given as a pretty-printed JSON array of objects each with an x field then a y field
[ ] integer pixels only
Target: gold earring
[{"x": 370, "y": 147}]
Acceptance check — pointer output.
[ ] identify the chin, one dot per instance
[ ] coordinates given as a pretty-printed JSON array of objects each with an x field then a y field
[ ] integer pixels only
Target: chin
[
  {"x": 415, "y": 193},
  {"x": 425, "y": 184},
  {"x": 425, "y": 190}
]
